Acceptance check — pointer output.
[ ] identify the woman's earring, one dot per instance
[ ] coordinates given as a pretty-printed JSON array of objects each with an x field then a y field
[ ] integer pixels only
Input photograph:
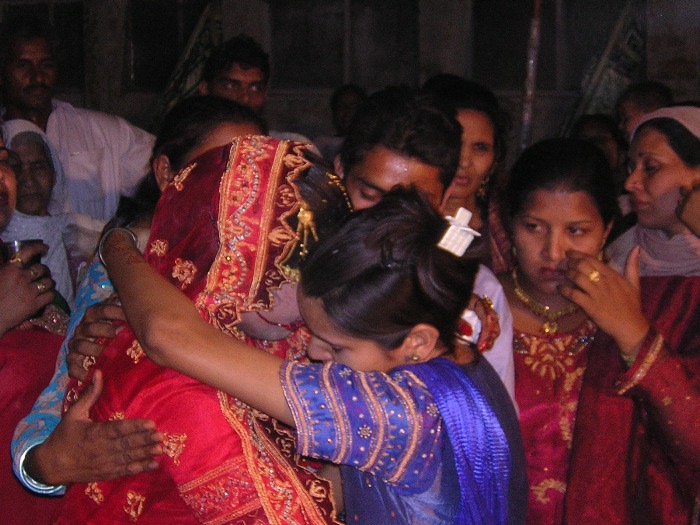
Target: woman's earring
[{"x": 483, "y": 187}]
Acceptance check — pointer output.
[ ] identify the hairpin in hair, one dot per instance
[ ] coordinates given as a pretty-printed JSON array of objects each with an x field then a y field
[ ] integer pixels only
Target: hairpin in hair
[
  {"x": 305, "y": 228},
  {"x": 459, "y": 235},
  {"x": 388, "y": 262}
]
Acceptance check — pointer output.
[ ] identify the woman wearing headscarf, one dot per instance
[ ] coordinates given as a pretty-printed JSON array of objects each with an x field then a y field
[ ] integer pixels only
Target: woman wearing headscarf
[
  {"x": 240, "y": 226},
  {"x": 40, "y": 199},
  {"x": 28, "y": 348},
  {"x": 635, "y": 453}
]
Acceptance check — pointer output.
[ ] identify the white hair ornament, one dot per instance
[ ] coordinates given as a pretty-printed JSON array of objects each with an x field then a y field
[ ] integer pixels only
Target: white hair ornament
[{"x": 459, "y": 235}]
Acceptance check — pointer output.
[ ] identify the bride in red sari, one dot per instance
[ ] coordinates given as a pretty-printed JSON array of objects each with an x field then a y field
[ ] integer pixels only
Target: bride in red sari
[{"x": 231, "y": 248}]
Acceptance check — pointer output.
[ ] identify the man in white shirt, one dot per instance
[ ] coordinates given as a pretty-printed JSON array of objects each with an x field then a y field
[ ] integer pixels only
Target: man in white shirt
[{"x": 103, "y": 156}]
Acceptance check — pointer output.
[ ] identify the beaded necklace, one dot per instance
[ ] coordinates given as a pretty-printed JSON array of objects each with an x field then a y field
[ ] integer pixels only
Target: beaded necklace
[{"x": 550, "y": 325}]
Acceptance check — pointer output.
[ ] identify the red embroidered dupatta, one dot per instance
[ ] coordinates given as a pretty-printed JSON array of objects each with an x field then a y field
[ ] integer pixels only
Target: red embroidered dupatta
[{"x": 221, "y": 233}]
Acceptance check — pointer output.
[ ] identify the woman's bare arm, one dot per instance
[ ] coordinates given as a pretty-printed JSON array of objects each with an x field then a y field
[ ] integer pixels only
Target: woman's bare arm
[{"x": 172, "y": 333}]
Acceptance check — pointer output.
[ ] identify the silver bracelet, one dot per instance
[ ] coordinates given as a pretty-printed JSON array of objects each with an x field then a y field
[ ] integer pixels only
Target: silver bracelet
[
  {"x": 34, "y": 485},
  {"x": 100, "y": 246}
]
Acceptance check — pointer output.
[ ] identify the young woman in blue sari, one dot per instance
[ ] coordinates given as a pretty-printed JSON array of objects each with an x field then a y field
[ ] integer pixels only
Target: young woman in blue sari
[{"x": 421, "y": 433}]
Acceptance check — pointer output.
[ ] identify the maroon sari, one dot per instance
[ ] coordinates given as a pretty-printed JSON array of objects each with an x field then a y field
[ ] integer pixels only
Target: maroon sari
[
  {"x": 27, "y": 361},
  {"x": 635, "y": 457}
]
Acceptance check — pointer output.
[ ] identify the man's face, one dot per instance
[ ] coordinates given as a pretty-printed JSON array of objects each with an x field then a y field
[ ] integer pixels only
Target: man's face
[
  {"x": 245, "y": 86},
  {"x": 29, "y": 77},
  {"x": 382, "y": 170}
]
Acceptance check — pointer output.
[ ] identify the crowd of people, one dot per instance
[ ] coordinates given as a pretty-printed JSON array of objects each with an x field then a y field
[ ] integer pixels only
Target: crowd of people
[{"x": 223, "y": 323}]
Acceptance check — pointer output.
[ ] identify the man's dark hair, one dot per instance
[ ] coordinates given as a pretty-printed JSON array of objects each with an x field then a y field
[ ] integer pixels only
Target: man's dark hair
[
  {"x": 242, "y": 50},
  {"x": 409, "y": 124},
  {"x": 24, "y": 29},
  {"x": 344, "y": 90},
  {"x": 647, "y": 95}
]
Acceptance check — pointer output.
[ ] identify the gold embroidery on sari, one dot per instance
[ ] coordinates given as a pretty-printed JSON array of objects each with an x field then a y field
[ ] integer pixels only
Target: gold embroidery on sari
[
  {"x": 117, "y": 416},
  {"x": 134, "y": 505},
  {"x": 553, "y": 357},
  {"x": 541, "y": 489},
  {"x": 318, "y": 490},
  {"x": 184, "y": 271},
  {"x": 559, "y": 362},
  {"x": 174, "y": 445},
  {"x": 159, "y": 247},
  {"x": 135, "y": 352},
  {"x": 71, "y": 397},
  {"x": 279, "y": 490},
  {"x": 656, "y": 347},
  {"x": 182, "y": 176},
  {"x": 94, "y": 492}
]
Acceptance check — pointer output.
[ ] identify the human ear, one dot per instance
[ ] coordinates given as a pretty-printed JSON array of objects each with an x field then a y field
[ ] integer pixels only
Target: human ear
[
  {"x": 608, "y": 228},
  {"x": 421, "y": 344},
  {"x": 162, "y": 171}
]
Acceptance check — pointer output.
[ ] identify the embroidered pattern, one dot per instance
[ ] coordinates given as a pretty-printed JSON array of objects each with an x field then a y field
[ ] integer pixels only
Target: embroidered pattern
[
  {"x": 553, "y": 357},
  {"x": 182, "y": 176},
  {"x": 184, "y": 271},
  {"x": 541, "y": 489},
  {"x": 134, "y": 505},
  {"x": 173, "y": 446},
  {"x": 135, "y": 352},
  {"x": 364, "y": 431},
  {"x": 550, "y": 373},
  {"x": 273, "y": 480},
  {"x": 72, "y": 396},
  {"x": 351, "y": 419},
  {"x": 117, "y": 416},
  {"x": 94, "y": 492},
  {"x": 159, "y": 247},
  {"x": 656, "y": 347}
]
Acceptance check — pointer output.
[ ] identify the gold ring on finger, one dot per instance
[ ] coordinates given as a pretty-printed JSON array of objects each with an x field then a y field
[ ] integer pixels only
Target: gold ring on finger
[
  {"x": 594, "y": 276},
  {"x": 88, "y": 361},
  {"x": 34, "y": 273},
  {"x": 17, "y": 258},
  {"x": 40, "y": 287}
]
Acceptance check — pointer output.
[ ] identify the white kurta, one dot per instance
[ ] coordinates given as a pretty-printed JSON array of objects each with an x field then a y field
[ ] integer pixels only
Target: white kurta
[{"x": 103, "y": 157}]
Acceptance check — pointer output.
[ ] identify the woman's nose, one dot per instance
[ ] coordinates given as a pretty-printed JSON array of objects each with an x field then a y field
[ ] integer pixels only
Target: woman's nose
[
  {"x": 634, "y": 180},
  {"x": 555, "y": 248}
]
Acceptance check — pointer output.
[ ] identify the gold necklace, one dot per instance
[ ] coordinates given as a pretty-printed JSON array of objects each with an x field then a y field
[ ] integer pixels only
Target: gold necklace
[{"x": 550, "y": 325}]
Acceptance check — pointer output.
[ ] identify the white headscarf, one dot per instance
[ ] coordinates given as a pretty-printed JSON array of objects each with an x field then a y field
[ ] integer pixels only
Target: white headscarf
[
  {"x": 12, "y": 128},
  {"x": 686, "y": 116},
  {"x": 49, "y": 228},
  {"x": 661, "y": 255}
]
